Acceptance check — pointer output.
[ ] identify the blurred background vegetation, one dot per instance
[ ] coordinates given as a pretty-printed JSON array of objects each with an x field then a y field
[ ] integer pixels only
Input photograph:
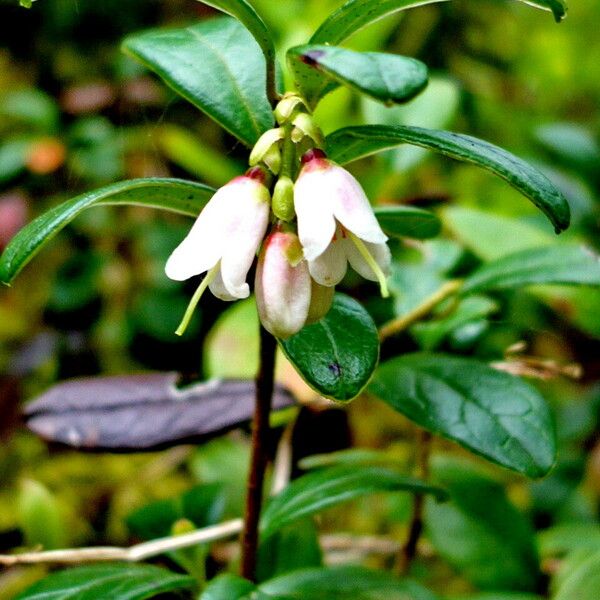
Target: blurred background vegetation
[{"x": 75, "y": 113}]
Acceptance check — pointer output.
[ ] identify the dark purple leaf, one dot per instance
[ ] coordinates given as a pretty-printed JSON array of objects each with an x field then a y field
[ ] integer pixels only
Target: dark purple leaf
[{"x": 141, "y": 412}]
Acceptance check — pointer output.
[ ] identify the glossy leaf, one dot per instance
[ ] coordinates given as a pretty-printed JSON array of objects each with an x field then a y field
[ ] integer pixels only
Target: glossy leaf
[
  {"x": 352, "y": 143},
  {"x": 331, "y": 486},
  {"x": 217, "y": 66},
  {"x": 408, "y": 221},
  {"x": 174, "y": 195},
  {"x": 479, "y": 531},
  {"x": 356, "y": 14},
  {"x": 389, "y": 78},
  {"x": 491, "y": 413},
  {"x": 582, "y": 582},
  {"x": 341, "y": 582},
  {"x": 564, "y": 264},
  {"x": 229, "y": 587},
  {"x": 141, "y": 412},
  {"x": 133, "y": 582},
  {"x": 337, "y": 355}
]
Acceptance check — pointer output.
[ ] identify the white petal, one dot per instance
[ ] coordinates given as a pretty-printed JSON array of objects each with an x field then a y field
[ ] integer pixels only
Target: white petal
[
  {"x": 351, "y": 206},
  {"x": 380, "y": 252},
  {"x": 329, "y": 268},
  {"x": 282, "y": 291},
  {"x": 245, "y": 231},
  {"x": 218, "y": 289},
  {"x": 316, "y": 224}
]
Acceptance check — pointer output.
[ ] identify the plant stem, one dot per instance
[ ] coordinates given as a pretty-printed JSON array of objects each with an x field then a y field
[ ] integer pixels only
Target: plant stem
[
  {"x": 409, "y": 550},
  {"x": 272, "y": 94},
  {"x": 405, "y": 321},
  {"x": 258, "y": 464}
]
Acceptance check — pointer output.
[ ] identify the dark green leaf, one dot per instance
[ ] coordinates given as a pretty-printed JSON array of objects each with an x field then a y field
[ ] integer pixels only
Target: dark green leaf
[
  {"x": 479, "y": 532},
  {"x": 489, "y": 412},
  {"x": 229, "y": 587},
  {"x": 356, "y": 14},
  {"x": 389, "y": 78},
  {"x": 582, "y": 582},
  {"x": 340, "y": 583},
  {"x": 175, "y": 195},
  {"x": 337, "y": 355},
  {"x": 408, "y": 221},
  {"x": 217, "y": 66},
  {"x": 133, "y": 582},
  {"x": 328, "y": 487},
  {"x": 564, "y": 264},
  {"x": 352, "y": 143}
]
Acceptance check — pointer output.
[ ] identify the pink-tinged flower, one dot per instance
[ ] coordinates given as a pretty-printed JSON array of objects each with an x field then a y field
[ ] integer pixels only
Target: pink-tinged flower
[
  {"x": 224, "y": 240},
  {"x": 283, "y": 285},
  {"x": 336, "y": 224}
]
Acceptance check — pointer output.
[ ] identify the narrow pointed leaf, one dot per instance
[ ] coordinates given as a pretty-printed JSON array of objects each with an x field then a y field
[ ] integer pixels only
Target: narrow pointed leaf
[
  {"x": 133, "y": 582},
  {"x": 337, "y": 355},
  {"x": 408, "y": 221},
  {"x": 493, "y": 414},
  {"x": 174, "y": 195},
  {"x": 560, "y": 264},
  {"x": 356, "y": 14},
  {"x": 352, "y": 143},
  {"x": 331, "y": 486},
  {"x": 389, "y": 78},
  {"x": 217, "y": 66},
  {"x": 141, "y": 412}
]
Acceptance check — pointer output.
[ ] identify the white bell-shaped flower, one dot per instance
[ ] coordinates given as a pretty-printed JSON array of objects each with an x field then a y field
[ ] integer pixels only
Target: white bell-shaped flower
[
  {"x": 336, "y": 224},
  {"x": 283, "y": 285},
  {"x": 224, "y": 240}
]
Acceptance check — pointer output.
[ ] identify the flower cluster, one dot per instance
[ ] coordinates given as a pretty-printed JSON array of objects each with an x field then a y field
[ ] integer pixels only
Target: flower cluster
[{"x": 316, "y": 221}]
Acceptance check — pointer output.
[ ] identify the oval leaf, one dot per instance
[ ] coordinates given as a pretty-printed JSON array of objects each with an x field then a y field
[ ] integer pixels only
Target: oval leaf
[
  {"x": 385, "y": 77},
  {"x": 408, "y": 221},
  {"x": 583, "y": 582},
  {"x": 217, "y": 66},
  {"x": 341, "y": 582},
  {"x": 560, "y": 264},
  {"x": 352, "y": 143},
  {"x": 141, "y": 412},
  {"x": 328, "y": 487},
  {"x": 491, "y": 413},
  {"x": 174, "y": 195},
  {"x": 134, "y": 582},
  {"x": 356, "y": 14},
  {"x": 337, "y": 355}
]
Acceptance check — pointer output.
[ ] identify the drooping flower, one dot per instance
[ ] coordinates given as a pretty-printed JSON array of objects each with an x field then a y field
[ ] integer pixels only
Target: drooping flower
[
  {"x": 282, "y": 285},
  {"x": 224, "y": 240},
  {"x": 336, "y": 224}
]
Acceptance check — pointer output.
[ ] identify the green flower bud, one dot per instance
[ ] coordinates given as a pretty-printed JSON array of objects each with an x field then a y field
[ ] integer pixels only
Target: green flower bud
[
  {"x": 287, "y": 108},
  {"x": 282, "y": 203},
  {"x": 305, "y": 126},
  {"x": 266, "y": 149},
  {"x": 321, "y": 298}
]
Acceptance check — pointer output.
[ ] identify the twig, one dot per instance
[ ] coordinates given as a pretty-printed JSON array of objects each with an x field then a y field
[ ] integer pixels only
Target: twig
[
  {"x": 409, "y": 550},
  {"x": 402, "y": 323},
  {"x": 258, "y": 463},
  {"x": 131, "y": 554}
]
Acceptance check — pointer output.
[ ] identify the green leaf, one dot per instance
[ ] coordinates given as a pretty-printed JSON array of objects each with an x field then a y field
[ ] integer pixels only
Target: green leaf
[
  {"x": 569, "y": 537},
  {"x": 491, "y": 413},
  {"x": 229, "y": 587},
  {"x": 217, "y": 66},
  {"x": 356, "y": 14},
  {"x": 175, "y": 195},
  {"x": 133, "y": 582},
  {"x": 352, "y": 143},
  {"x": 328, "y": 487},
  {"x": 583, "y": 582},
  {"x": 337, "y": 355},
  {"x": 564, "y": 264},
  {"x": 497, "y": 596},
  {"x": 479, "y": 532},
  {"x": 340, "y": 583},
  {"x": 389, "y": 78},
  {"x": 408, "y": 221},
  {"x": 244, "y": 12}
]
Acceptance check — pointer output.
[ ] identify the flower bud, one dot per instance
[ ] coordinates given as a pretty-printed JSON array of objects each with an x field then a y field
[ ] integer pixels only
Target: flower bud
[
  {"x": 321, "y": 298},
  {"x": 282, "y": 285},
  {"x": 283, "y": 199},
  {"x": 267, "y": 150},
  {"x": 288, "y": 107},
  {"x": 305, "y": 126}
]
